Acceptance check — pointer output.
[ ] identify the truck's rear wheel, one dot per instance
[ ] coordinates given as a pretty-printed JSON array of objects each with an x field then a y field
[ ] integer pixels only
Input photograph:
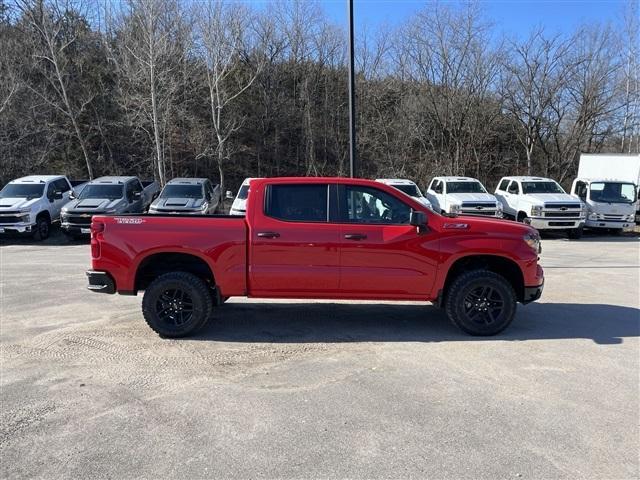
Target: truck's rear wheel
[
  {"x": 481, "y": 302},
  {"x": 176, "y": 304}
]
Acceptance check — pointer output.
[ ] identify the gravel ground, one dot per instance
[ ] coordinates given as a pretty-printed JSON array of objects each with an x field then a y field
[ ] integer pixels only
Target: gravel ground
[{"x": 322, "y": 389}]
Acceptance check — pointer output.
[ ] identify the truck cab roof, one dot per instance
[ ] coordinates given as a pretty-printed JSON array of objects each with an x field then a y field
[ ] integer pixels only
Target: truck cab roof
[
  {"x": 524, "y": 178},
  {"x": 395, "y": 181},
  {"x": 187, "y": 181},
  {"x": 457, "y": 179},
  {"x": 113, "y": 180},
  {"x": 37, "y": 179}
]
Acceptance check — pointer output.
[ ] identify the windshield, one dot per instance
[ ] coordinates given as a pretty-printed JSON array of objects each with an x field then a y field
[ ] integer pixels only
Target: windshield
[
  {"x": 613, "y": 192},
  {"x": 22, "y": 190},
  {"x": 112, "y": 192},
  {"x": 182, "y": 191},
  {"x": 410, "y": 190},
  {"x": 465, "y": 187},
  {"x": 541, "y": 187},
  {"x": 243, "y": 193}
]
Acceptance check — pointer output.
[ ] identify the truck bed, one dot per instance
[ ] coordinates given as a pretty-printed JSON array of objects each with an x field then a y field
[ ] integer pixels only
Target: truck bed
[{"x": 219, "y": 240}]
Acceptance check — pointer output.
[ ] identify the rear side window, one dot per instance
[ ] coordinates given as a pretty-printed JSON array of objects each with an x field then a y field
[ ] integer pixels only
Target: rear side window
[
  {"x": 297, "y": 203},
  {"x": 503, "y": 185}
]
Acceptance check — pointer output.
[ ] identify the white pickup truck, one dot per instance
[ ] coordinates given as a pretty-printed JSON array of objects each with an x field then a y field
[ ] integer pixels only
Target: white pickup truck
[
  {"x": 29, "y": 205},
  {"x": 462, "y": 196},
  {"x": 542, "y": 203},
  {"x": 408, "y": 187}
]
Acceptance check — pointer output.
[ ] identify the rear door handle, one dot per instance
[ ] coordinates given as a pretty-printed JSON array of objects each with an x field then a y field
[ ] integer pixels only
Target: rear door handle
[
  {"x": 268, "y": 234},
  {"x": 355, "y": 236}
]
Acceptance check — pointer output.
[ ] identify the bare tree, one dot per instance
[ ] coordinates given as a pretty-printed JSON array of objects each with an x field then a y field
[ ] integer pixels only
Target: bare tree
[
  {"x": 52, "y": 24},
  {"x": 226, "y": 33}
]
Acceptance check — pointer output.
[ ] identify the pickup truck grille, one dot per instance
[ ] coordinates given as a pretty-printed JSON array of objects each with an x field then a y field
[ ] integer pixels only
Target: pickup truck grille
[
  {"x": 561, "y": 206},
  {"x": 562, "y": 214},
  {"x": 486, "y": 209},
  {"x": 78, "y": 219},
  {"x": 5, "y": 219}
]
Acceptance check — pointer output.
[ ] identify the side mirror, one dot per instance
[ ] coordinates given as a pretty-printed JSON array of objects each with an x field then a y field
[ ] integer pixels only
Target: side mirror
[
  {"x": 57, "y": 195},
  {"x": 72, "y": 195},
  {"x": 418, "y": 219},
  {"x": 229, "y": 195}
]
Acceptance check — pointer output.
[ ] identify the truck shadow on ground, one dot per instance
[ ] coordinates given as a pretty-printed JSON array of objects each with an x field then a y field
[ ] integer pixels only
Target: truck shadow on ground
[
  {"x": 56, "y": 239},
  {"x": 338, "y": 322}
]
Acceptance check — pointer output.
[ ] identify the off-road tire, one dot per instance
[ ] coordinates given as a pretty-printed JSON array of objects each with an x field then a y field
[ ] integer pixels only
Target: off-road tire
[
  {"x": 462, "y": 310},
  {"x": 160, "y": 304},
  {"x": 43, "y": 228},
  {"x": 575, "y": 233}
]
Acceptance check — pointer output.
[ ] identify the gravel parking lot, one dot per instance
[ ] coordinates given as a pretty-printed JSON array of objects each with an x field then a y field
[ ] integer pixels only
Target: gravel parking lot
[{"x": 324, "y": 389}]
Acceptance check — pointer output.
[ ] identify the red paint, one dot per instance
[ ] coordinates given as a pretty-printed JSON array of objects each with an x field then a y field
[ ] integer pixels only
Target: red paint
[{"x": 313, "y": 260}]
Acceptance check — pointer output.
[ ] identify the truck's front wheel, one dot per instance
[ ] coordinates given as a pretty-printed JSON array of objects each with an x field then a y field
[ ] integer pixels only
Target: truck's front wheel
[
  {"x": 481, "y": 302},
  {"x": 176, "y": 304}
]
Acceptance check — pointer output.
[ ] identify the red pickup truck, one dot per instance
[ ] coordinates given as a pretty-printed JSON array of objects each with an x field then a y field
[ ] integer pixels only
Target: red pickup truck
[{"x": 333, "y": 238}]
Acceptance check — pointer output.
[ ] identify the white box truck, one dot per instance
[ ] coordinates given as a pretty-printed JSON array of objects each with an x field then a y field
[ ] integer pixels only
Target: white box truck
[{"x": 608, "y": 185}]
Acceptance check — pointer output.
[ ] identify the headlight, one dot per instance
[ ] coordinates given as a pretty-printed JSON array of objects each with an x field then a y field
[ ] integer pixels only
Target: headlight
[
  {"x": 593, "y": 216},
  {"x": 24, "y": 216},
  {"x": 632, "y": 217},
  {"x": 455, "y": 209},
  {"x": 536, "y": 211},
  {"x": 205, "y": 205},
  {"x": 533, "y": 240}
]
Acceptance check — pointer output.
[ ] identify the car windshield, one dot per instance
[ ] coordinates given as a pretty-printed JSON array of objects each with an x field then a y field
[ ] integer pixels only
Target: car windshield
[
  {"x": 112, "y": 192},
  {"x": 182, "y": 191},
  {"x": 617, "y": 192},
  {"x": 243, "y": 193},
  {"x": 411, "y": 190},
  {"x": 541, "y": 187},
  {"x": 22, "y": 190},
  {"x": 465, "y": 187}
]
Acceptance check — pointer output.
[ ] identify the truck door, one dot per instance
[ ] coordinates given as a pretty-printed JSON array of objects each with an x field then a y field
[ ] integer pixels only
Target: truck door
[
  {"x": 381, "y": 254},
  {"x": 293, "y": 249}
]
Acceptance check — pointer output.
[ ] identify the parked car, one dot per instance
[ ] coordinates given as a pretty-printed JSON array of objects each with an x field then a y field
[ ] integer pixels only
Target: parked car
[
  {"x": 542, "y": 203},
  {"x": 106, "y": 195},
  {"x": 408, "y": 187},
  {"x": 608, "y": 185},
  {"x": 239, "y": 205},
  {"x": 462, "y": 196},
  {"x": 30, "y": 205},
  {"x": 187, "y": 196},
  {"x": 318, "y": 238}
]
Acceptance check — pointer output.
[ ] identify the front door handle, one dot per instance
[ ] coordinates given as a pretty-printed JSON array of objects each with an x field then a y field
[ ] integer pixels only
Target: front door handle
[
  {"x": 355, "y": 236},
  {"x": 268, "y": 234}
]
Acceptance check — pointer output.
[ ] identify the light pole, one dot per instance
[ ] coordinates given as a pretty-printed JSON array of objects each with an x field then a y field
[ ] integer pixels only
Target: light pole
[{"x": 352, "y": 98}]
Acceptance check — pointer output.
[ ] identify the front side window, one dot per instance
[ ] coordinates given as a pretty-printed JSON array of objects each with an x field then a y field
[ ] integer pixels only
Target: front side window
[
  {"x": 243, "y": 193},
  {"x": 541, "y": 187},
  {"x": 503, "y": 185},
  {"x": 581, "y": 190},
  {"x": 610, "y": 192},
  {"x": 370, "y": 205},
  {"x": 465, "y": 187},
  {"x": 513, "y": 187},
  {"x": 111, "y": 192},
  {"x": 438, "y": 187},
  {"x": 62, "y": 185},
  {"x": 298, "y": 202},
  {"x": 22, "y": 190}
]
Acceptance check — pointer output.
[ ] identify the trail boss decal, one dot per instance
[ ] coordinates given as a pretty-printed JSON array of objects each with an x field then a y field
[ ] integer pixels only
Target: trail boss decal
[{"x": 135, "y": 221}]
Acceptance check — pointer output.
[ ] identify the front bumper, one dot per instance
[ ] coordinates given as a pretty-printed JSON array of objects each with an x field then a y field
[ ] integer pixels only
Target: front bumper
[
  {"x": 531, "y": 294},
  {"x": 540, "y": 223},
  {"x": 100, "y": 282},
  {"x": 17, "y": 227},
  {"x": 608, "y": 224},
  {"x": 74, "y": 229}
]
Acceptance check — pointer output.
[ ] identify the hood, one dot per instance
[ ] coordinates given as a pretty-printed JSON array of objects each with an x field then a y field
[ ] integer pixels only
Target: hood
[
  {"x": 423, "y": 200},
  {"x": 471, "y": 197},
  {"x": 92, "y": 204},
  {"x": 176, "y": 203},
  {"x": 491, "y": 224},
  {"x": 542, "y": 198},
  {"x": 17, "y": 203}
]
